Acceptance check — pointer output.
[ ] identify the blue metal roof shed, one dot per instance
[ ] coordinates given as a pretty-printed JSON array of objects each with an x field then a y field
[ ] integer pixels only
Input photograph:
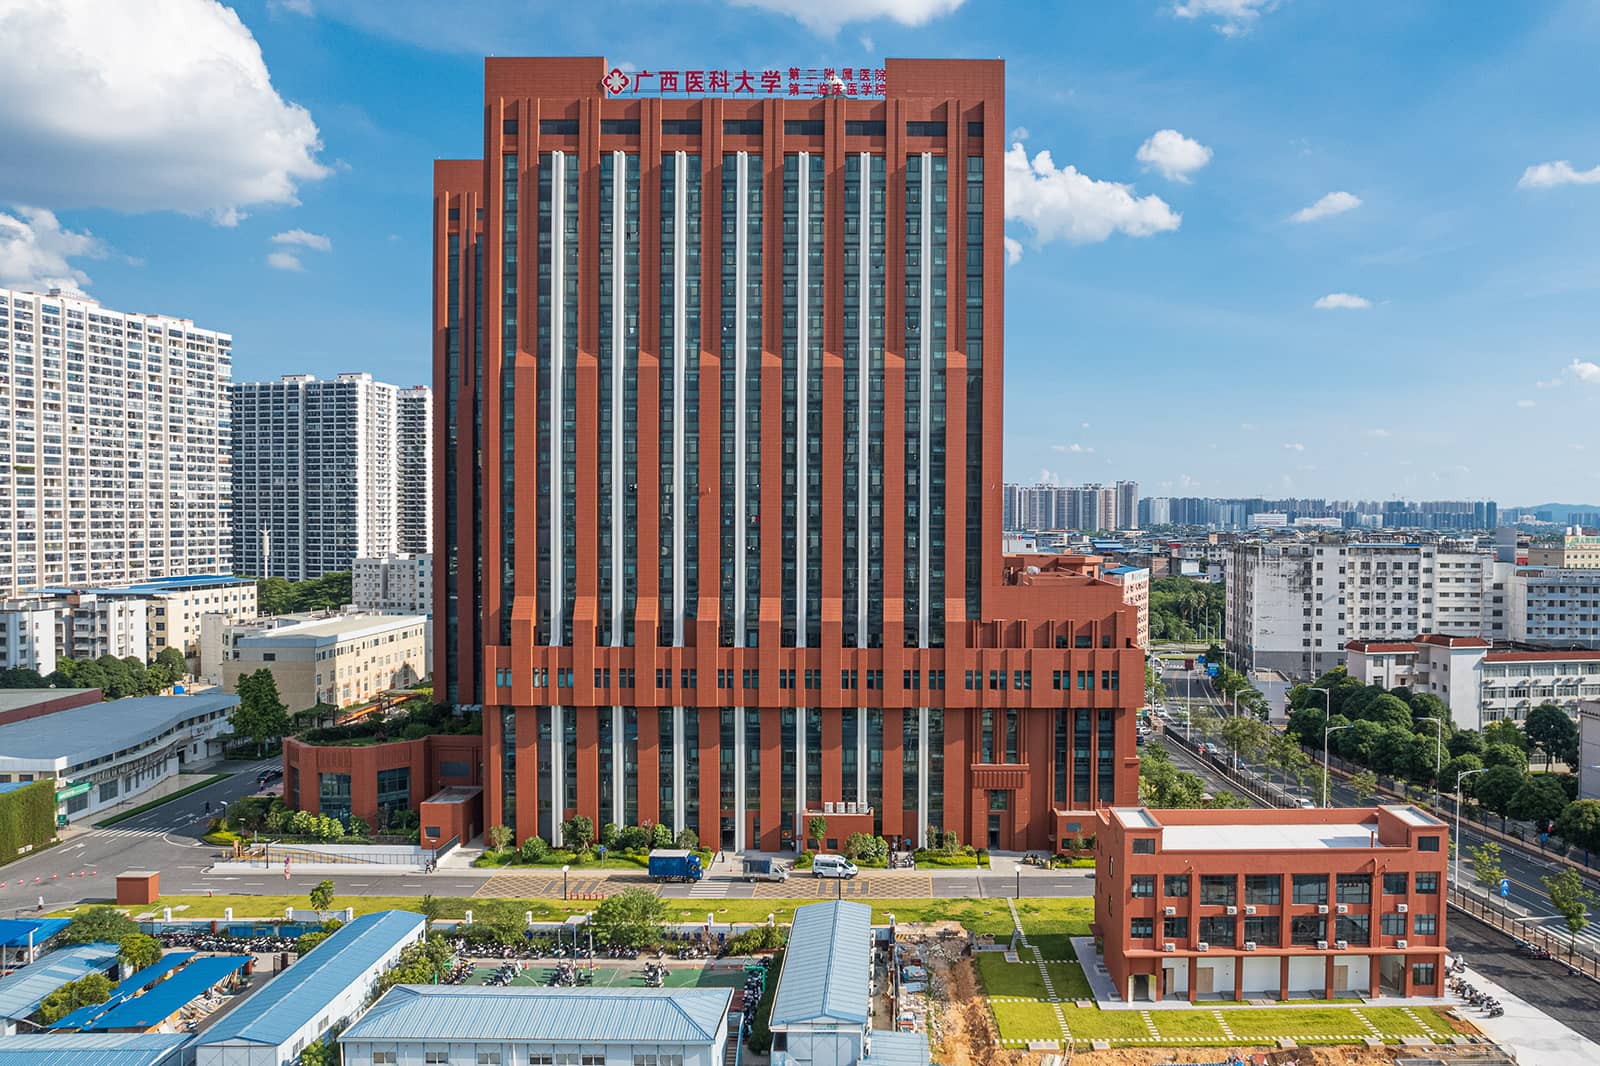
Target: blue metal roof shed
[
  {"x": 172, "y": 995},
  {"x": 23, "y": 991},
  {"x": 93, "y": 1049},
  {"x": 20, "y": 932},
  {"x": 827, "y": 966},
  {"x": 690, "y": 1016}
]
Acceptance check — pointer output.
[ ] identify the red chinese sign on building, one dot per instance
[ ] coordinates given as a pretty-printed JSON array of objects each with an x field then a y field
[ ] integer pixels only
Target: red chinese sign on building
[{"x": 792, "y": 81}]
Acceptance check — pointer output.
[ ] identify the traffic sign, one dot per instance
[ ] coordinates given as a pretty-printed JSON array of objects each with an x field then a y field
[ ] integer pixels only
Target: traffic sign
[
  {"x": 81, "y": 788},
  {"x": 1505, "y": 888}
]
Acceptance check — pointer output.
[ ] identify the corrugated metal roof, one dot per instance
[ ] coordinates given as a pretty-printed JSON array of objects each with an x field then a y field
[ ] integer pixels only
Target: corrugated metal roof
[
  {"x": 826, "y": 966},
  {"x": 171, "y": 995},
  {"x": 273, "y": 1014},
  {"x": 891, "y": 1048},
  {"x": 90, "y": 1049},
  {"x": 127, "y": 989},
  {"x": 14, "y": 932},
  {"x": 23, "y": 991},
  {"x": 81, "y": 733},
  {"x": 588, "y": 1015}
]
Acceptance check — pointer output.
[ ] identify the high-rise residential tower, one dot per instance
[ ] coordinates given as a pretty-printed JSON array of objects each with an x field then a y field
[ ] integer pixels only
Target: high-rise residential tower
[
  {"x": 719, "y": 493},
  {"x": 414, "y": 475},
  {"x": 322, "y": 472},
  {"x": 114, "y": 441}
]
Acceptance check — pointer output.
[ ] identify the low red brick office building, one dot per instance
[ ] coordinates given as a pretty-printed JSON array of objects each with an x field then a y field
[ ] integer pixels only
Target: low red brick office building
[
  {"x": 1271, "y": 904},
  {"x": 346, "y": 780}
]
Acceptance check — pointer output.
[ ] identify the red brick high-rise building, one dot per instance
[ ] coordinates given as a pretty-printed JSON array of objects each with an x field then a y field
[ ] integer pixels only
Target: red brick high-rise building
[{"x": 718, "y": 388}]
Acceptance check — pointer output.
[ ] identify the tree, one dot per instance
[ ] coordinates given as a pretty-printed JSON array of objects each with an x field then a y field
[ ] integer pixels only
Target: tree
[
  {"x": 1540, "y": 800},
  {"x": 817, "y": 826},
  {"x": 1495, "y": 789},
  {"x": 306, "y": 941},
  {"x": 661, "y": 836},
  {"x": 1455, "y": 768},
  {"x": 577, "y": 834},
  {"x": 687, "y": 839},
  {"x": 498, "y": 836},
  {"x": 137, "y": 950},
  {"x": 174, "y": 661},
  {"x": 1571, "y": 899},
  {"x": 99, "y": 925},
  {"x": 84, "y": 992},
  {"x": 1501, "y": 754},
  {"x": 1551, "y": 729},
  {"x": 1579, "y": 825},
  {"x": 631, "y": 918},
  {"x": 1465, "y": 742},
  {"x": 21, "y": 677},
  {"x": 1364, "y": 785},
  {"x": 1487, "y": 869},
  {"x": 1245, "y": 735},
  {"x": 1505, "y": 731},
  {"x": 430, "y": 908},
  {"x": 321, "y": 1053},
  {"x": 534, "y": 849},
  {"x": 322, "y": 895},
  {"x": 261, "y": 716}
]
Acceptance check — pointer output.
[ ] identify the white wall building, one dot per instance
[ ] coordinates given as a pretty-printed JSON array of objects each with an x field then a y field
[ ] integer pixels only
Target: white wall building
[
  {"x": 116, "y": 435},
  {"x": 1589, "y": 749},
  {"x": 27, "y": 637},
  {"x": 336, "y": 659},
  {"x": 317, "y": 472},
  {"x": 1135, "y": 582},
  {"x": 394, "y": 583},
  {"x": 414, "y": 449},
  {"x": 1556, "y": 606}
]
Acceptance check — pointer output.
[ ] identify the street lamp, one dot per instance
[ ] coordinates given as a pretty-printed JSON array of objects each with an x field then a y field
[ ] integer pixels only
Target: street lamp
[
  {"x": 1326, "y": 729},
  {"x": 1438, "y": 749},
  {"x": 1459, "y": 778},
  {"x": 564, "y": 870}
]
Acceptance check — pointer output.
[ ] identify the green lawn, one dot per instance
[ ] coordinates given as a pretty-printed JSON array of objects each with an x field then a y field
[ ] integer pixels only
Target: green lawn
[
  {"x": 1092, "y": 1023},
  {"x": 1050, "y": 923},
  {"x": 1069, "y": 980},
  {"x": 1002, "y": 978},
  {"x": 1195, "y": 1026},
  {"x": 1026, "y": 1021},
  {"x": 1273, "y": 1022},
  {"x": 1394, "y": 1022}
]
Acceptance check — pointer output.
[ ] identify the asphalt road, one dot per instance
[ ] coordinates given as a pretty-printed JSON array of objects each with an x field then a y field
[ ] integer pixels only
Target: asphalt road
[{"x": 1573, "y": 1001}]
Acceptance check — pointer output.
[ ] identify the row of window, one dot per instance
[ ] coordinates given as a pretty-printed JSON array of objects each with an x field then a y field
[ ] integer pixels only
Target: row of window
[
  {"x": 1221, "y": 890},
  {"x": 440, "y": 1056},
  {"x": 1306, "y": 930},
  {"x": 743, "y": 126}
]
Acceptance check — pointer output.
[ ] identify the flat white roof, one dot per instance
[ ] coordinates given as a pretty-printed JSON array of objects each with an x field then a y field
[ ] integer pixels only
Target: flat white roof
[
  {"x": 1268, "y": 837},
  {"x": 1412, "y": 815},
  {"x": 337, "y": 628}
]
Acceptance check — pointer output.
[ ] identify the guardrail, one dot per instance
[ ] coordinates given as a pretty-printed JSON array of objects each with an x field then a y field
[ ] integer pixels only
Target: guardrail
[
  {"x": 1526, "y": 929},
  {"x": 1264, "y": 794}
]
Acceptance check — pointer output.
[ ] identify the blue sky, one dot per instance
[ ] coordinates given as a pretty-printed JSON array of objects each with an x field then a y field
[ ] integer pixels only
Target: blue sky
[{"x": 265, "y": 169}]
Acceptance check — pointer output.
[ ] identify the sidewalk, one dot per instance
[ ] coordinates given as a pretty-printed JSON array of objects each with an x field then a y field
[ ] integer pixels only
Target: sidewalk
[{"x": 1537, "y": 1038}]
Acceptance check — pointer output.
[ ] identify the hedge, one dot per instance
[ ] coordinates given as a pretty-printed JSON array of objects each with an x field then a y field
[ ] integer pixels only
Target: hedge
[{"x": 27, "y": 819}]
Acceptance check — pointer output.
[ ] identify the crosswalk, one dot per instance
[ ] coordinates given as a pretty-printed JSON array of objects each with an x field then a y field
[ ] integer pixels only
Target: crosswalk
[{"x": 116, "y": 833}]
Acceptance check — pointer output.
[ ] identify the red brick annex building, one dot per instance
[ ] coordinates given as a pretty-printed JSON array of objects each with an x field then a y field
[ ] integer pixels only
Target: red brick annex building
[{"x": 719, "y": 442}]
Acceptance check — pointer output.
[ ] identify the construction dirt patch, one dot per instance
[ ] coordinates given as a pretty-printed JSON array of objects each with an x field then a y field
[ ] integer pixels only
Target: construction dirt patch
[{"x": 1308, "y": 1056}]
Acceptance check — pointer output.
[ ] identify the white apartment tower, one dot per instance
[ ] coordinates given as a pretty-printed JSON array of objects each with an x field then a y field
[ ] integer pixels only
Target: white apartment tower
[
  {"x": 414, "y": 446},
  {"x": 317, "y": 473},
  {"x": 114, "y": 444}
]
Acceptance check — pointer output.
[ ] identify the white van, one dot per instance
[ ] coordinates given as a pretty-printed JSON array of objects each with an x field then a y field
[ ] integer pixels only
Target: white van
[{"x": 833, "y": 866}]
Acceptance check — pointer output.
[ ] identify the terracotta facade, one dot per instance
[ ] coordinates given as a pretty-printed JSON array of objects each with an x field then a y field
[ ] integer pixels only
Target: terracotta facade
[{"x": 432, "y": 763}]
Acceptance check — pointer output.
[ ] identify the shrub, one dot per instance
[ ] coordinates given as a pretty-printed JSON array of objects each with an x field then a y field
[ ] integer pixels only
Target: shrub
[
  {"x": 661, "y": 837},
  {"x": 688, "y": 840},
  {"x": 633, "y": 838},
  {"x": 751, "y": 941},
  {"x": 99, "y": 925},
  {"x": 534, "y": 849}
]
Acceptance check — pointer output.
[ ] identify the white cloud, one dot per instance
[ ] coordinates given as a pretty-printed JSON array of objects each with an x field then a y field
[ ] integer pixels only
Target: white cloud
[
  {"x": 1064, "y": 204},
  {"x": 1172, "y": 155},
  {"x": 1342, "y": 301},
  {"x": 285, "y": 261},
  {"x": 145, "y": 107},
  {"x": 1048, "y": 477},
  {"x": 867, "y": 44},
  {"x": 826, "y": 16},
  {"x": 1294, "y": 446},
  {"x": 1554, "y": 382},
  {"x": 1335, "y": 203},
  {"x": 315, "y": 241},
  {"x": 1072, "y": 449},
  {"x": 1585, "y": 371},
  {"x": 1526, "y": 403},
  {"x": 1247, "y": 426},
  {"x": 1019, "y": 134},
  {"x": 1560, "y": 172},
  {"x": 1379, "y": 433},
  {"x": 1234, "y": 16},
  {"x": 293, "y": 7},
  {"x": 35, "y": 252},
  {"x": 1013, "y": 251}
]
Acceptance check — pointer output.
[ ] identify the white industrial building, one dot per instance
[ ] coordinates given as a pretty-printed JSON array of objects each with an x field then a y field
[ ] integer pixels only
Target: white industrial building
[
  {"x": 323, "y": 990},
  {"x": 136, "y": 406},
  {"x": 1556, "y": 605},
  {"x": 317, "y": 469},
  {"x": 399, "y": 582},
  {"x": 452, "y": 1025}
]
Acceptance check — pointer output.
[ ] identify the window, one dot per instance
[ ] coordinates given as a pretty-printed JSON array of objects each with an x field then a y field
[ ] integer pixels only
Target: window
[
  {"x": 1263, "y": 931},
  {"x": 1353, "y": 888},
  {"x": 509, "y": 126},
  {"x": 558, "y": 125},
  {"x": 1310, "y": 888},
  {"x": 537, "y": 1059},
  {"x": 1428, "y": 884},
  {"x": 1394, "y": 884},
  {"x": 394, "y": 789},
  {"x": 1218, "y": 890},
  {"x": 1353, "y": 929},
  {"x": 1143, "y": 887},
  {"x": 1422, "y": 974},
  {"x": 1307, "y": 929},
  {"x": 1263, "y": 890},
  {"x": 334, "y": 792},
  {"x": 1393, "y": 924},
  {"x": 867, "y": 128},
  {"x": 1175, "y": 928},
  {"x": 974, "y": 129},
  {"x": 1425, "y": 924},
  {"x": 383, "y": 1058},
  {"x": 741, "y": 125},
  {"x": 680, "y": 126},
  {"x": 1144, "y": 845},
  {"x": 1175, "y": 886},
  {"x": 436, "y": 1056},
  {"x": 1218, "y": 931},
  {"x": 803, "y": 127},
  {"x": 925, "y": 129},
  {"x": 619, "y": 125},
  {"x": 488, "y": 1058},
  {"x": 597, "y": 1060},
  {"x": 1427, "y": 843}
]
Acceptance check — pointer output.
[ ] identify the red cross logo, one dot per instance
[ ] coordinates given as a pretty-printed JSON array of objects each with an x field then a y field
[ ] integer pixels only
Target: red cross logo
[{"x": 616, "y": 82}]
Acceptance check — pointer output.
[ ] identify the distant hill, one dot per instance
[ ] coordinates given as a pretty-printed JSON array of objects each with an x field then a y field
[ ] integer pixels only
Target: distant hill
[{"x": 1558, "y": 511}]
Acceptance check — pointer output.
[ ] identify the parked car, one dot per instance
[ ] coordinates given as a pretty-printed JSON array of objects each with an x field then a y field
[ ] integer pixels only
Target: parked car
[{"x": 833, "y": 866}]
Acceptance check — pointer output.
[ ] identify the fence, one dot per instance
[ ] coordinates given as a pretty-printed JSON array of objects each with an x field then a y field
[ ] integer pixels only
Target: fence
[
  {"x": 1529, "y": 930},
  {"x": 1264, "y": 794}
]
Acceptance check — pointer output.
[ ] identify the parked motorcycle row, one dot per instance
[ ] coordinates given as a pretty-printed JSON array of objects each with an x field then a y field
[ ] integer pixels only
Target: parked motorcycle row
[
  {"x": 1535, "y": 951},
  {"x": 655, "y": 975},
  {"x": 230, "y": 945},
  {"x": 1482, "y": 1000},
  {"x": 568, "y": 974}
]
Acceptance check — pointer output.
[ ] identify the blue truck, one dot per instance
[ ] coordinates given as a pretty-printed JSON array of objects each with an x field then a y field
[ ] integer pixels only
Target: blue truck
[{"x": 675, "y": 866}]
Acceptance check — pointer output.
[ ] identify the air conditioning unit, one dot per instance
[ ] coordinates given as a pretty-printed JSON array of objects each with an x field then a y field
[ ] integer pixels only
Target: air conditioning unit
[
  {"x": 1233, "y": 910},
  {"x": 1322, "y": 908},
  {"x": 1169, "y": 946},
  {"x": 1344, "y": 908},
  {"x": 1169, "y": 911},
  {"x": 1401, "y": 944},
  {"x": 1341, "y": 944},
  {"x": 1322, "y": 945},
  {"x": 1202, "y": 946},
  {"x": 1249, "y": 910},
  {"x": 1402, "y": 907},
  {"x": 1249, "y": 945}
]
